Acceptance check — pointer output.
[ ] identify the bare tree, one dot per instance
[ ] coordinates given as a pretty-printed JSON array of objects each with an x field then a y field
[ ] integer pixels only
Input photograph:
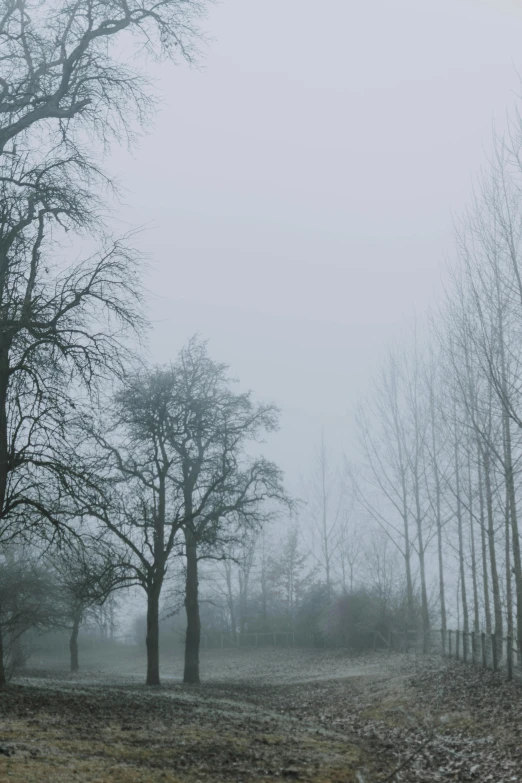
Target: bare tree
[
  {"x": 238, "y": 562},
  {"x": 325, "y": 507},
  {"x": 134, "y": 492},
  {"x": 61, "y": 75},
  {"x": 383, "y": 487},
  {"x": 29, "y": 599},
  {"x": 176, "y": 463},
  {"x": 64, "y": 94},
  {"x": 224, "y": 492},
  {"x": 54, "y": 353},
  {"x": 86, "y": 574},
  {"x": 349, "y": 549}
]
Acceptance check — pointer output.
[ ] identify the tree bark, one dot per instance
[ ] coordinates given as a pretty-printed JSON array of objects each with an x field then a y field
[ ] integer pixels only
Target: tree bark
[
  {"x": 436, "y": 476},
  {"x": 422, "y": 564},
  {"x": 407, "y": 552},
  {"x": 152, "y": 639},
  {"x": 462, "y": 572},
  {"x": 231, "y": 599},
  {"x": 512, "y": 530},
  {"x": 474, "y": 580},
  {"x": 484, "y": 546},
  {"x": 325, "y": 537},
  {"x": 509, "y": 585},
  {"x": 243, "y": 600},
  {"x": 495, "y": 586},
  {"x": 73, "y": 642},
  {"x": 193, "y": 635}
]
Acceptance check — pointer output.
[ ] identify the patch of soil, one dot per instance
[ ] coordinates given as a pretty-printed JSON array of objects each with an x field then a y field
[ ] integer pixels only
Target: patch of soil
[{"x": 325, "y": 717}]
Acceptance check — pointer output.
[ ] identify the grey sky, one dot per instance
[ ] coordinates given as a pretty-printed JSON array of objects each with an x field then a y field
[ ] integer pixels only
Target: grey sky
[{"x": 299, "y": 188}]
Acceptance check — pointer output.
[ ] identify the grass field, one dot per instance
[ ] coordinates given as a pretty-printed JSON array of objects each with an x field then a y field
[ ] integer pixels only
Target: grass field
[{"x": 272, "y": 715}]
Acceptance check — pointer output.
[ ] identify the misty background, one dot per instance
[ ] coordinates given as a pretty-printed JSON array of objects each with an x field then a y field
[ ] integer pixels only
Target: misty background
[{"x": 299, "y": 188}]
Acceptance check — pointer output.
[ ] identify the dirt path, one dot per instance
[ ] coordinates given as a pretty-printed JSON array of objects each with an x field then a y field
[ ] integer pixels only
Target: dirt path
[{"x": 274, "y": 715}]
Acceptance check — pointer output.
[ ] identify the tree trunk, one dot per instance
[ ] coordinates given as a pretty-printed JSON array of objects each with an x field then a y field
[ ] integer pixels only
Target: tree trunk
[
  {"x": 230, "y": 599},
  {"x": 424, "y": 592},
  {"x": 512, "y": 529},
  {"x": 484, "y": 547},
  {"x": 442, "y": 596},
  {"x": 325, "y": 538},
  {"x": 495, "y": 586},
  {"x": 509, "y": 470},
  {"x": 73, "y": 642},
  {"x": 407, "y": 552},
  {"x": 462, "y": 572},
  {"x": 509, "y": 585},
  {"x": 243, "y": 600},
  {"x": 152, "y": 640},
  {"x": 193, "y": 636},
  {"x": 474, "y": 581}
]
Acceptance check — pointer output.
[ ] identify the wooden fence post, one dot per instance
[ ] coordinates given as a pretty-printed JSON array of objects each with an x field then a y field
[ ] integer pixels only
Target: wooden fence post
[
  {"x": 465, "y": 637},
  {"x": 449, "y": 643},
  {"x": 509, "y": 651},
  {"x": 483, "y": 645},
  {"x": 458, "y": 644}
]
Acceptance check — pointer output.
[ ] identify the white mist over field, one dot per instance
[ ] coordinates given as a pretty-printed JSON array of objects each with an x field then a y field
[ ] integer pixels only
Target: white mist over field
[
  {"x": 260, "y": 391},
  {"x": 298, "y": 190}
]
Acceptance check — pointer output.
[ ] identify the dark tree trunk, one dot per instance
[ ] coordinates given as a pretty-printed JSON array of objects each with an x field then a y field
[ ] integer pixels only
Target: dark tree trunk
[
  {"x": 193, "y": 635},
  {"x": 73, "y": 642},
  {"x": 152, "y": 641}
]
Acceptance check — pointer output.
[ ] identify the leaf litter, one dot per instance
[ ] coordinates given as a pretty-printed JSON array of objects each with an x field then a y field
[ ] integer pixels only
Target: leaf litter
[{"x": 322, "y": 716}]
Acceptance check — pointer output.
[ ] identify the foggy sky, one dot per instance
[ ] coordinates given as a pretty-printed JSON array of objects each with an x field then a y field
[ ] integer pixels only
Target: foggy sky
[{"x": 298, "y": 189}]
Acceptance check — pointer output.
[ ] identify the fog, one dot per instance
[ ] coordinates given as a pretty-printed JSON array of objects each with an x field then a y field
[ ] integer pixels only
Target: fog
[
  {"x": 299, "y": 189},
  {"x": 260, "y": 391}
]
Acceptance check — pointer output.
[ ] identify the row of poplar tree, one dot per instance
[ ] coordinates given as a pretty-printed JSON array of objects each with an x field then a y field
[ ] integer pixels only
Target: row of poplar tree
[
  {"x": 108, "y": 468},
  {"x": 440, "y": 436}
]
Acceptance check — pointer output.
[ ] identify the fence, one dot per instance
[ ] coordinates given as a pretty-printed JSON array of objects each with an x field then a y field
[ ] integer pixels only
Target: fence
[
  {"x": 501, "y": 654},
  {"x": 483, "y": 649},
  {"x": 214, "y": 641},
  {"x": 365, "y": 640}
]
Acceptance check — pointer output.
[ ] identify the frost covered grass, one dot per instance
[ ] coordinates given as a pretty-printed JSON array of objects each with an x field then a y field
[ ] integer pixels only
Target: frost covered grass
[{"x": 322, "y": 717}]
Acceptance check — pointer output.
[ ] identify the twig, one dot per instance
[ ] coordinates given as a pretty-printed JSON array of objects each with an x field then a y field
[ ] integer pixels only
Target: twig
[{"x": 408, "y": 760}]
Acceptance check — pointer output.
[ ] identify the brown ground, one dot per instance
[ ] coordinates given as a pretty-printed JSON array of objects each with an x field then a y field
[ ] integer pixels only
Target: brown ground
[{"x": 273, "y": 715}]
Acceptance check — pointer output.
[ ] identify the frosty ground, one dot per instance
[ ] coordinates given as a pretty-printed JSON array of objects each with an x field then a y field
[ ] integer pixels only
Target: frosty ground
[{"x": 324, "y": 716}]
